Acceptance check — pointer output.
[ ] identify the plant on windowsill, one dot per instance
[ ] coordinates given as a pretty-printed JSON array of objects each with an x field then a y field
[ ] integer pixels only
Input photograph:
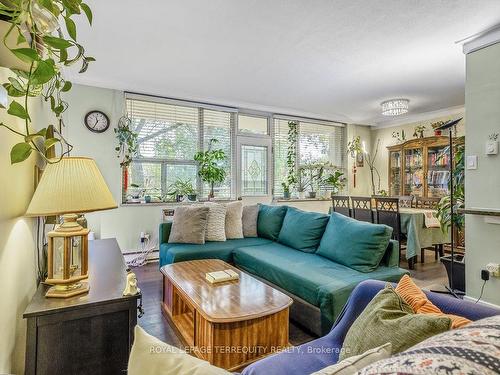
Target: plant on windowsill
[
  {"x": 209, "y": 163},
  {"x": 335, "y": 181},
  {"x": 181, "y": 188},
  {"x": 36, "y": 58},
  {"x": 310, "y": 176}
]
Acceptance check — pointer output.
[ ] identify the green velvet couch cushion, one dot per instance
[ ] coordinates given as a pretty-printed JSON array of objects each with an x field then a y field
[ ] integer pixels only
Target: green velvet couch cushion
[
  {"x": 313, "y": 278},
  {"x": 355, "y": 244},
  {"x": 302, "y": 230},
  {"x": 270, "y": 220},
  {"x": 172, "y": 253},
  {"x": 387, "y": 318}
]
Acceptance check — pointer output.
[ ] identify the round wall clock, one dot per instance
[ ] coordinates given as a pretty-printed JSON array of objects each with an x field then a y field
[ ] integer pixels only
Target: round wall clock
[{"x": 96, "y": 121}]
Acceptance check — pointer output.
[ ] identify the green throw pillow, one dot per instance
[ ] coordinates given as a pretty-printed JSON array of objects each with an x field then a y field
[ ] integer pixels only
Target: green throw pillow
[
  {"x": 355, "y": 244},
  {"x": 302, "y": 230},
  {"x": 387, "y": 318},
  {"x": 270, "y": 220}
]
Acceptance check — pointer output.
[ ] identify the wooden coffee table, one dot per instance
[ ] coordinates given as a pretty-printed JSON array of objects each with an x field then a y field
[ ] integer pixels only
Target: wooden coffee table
[{"x": 230, "y": 324}]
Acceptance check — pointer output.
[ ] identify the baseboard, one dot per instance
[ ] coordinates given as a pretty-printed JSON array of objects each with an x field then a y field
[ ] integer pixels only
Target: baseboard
[
  {"x": 489, "y": 304},
  {"x": 153, "y": 256}
]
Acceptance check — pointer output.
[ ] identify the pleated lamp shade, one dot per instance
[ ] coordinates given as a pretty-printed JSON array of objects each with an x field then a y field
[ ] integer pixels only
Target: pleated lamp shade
[{"x": 73, "y": 185}]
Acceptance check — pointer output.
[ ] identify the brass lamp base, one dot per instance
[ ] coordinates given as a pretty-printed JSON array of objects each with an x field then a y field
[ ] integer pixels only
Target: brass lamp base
[{"x": 68, "y": 290}]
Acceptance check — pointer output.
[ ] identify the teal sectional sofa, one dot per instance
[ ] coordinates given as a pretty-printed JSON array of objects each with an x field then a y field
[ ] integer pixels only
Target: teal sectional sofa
[{"x": 317, "y": 259}]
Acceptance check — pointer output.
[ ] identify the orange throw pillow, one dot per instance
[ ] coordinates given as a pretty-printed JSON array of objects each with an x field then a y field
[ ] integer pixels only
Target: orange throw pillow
[{"x": 420, "y": 304}]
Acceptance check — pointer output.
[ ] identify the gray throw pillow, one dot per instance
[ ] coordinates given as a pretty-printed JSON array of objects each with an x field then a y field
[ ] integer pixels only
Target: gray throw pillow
[
  {"x": 249, "y": 220},
  {"x": 189, "y": 225},
  {"x": 234, "y": 214}
]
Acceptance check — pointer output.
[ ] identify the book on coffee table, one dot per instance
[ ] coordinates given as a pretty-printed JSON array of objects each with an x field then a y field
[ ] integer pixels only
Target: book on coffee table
[{"x": 221, "y": 276}]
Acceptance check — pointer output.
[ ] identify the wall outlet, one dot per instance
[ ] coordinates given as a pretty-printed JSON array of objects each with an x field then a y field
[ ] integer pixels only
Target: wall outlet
[
  {"x": 494, "y": 269},
  {"x": 471, "y": 162},
  {"x": 491, "y": 148}
]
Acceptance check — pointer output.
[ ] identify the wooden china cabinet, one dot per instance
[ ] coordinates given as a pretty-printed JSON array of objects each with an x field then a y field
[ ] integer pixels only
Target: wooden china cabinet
[{"x": 419, "y": 167}]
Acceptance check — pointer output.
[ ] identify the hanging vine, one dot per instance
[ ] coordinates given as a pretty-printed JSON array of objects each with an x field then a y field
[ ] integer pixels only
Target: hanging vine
[
  {"x": 42, "y": 55},
  {"x": 291, "y": 156}
]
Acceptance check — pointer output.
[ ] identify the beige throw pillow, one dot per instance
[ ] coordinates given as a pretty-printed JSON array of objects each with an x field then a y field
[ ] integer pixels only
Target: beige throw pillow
[
  {"x": 189, "y": 225},
  {"x": 352, "y": 364},
  {"x": 249, "y": 220},
  {"x": 216, "y": 222},
  {"x": 150, "y": 356},
  {"x": 234, "y": 213}
]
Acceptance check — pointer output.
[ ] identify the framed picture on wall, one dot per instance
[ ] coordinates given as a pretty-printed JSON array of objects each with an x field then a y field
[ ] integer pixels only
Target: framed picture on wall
[{"x": 360, "y": 160}]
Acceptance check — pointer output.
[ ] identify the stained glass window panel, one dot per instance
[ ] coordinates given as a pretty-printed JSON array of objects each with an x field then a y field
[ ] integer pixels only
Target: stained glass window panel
[{"x": 253, "y": 170}]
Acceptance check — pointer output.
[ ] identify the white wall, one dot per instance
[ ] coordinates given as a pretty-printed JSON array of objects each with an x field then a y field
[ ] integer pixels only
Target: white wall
[
  {"x": 482, "y": 101},
  {"x": 17, "y": 245}
]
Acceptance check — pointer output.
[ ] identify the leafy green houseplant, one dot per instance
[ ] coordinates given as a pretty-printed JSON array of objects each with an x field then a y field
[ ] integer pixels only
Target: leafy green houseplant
[
  {"x": 41, "y": 55},
  {"x": 458, "y": 177},
  {"x": 335, "y": 181},
  {"x": 209, "y": 164},
  {"x": 310, "y": 176},
  {"x": 181, "y": 188}
]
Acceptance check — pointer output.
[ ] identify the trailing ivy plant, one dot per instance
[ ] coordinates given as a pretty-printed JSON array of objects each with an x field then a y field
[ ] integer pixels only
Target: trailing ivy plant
[
  {"x": 127, "y": 141},
  {"x": 291, "y": 157},
  {"x": 43, "y": 49}
]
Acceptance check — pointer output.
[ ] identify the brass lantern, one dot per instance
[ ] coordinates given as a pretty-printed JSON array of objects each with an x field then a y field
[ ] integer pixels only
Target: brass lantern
[
  {"x": 68, "y": 186},
  {"x": 67, "y": 259}
]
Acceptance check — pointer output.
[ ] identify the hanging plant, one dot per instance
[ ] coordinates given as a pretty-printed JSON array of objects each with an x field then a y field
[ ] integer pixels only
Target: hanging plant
[
  {"x": 41, "y": 54},
  {"x": 127, "y": 141},
  {"x": 291, "y": 157},
  {"x": 354, "y": 146}
]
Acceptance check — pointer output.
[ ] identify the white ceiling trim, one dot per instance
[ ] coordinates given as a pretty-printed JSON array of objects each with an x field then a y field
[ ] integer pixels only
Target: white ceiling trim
[
  {"x": 421, "y": 117},
  {"x": 486, "y": 39}
]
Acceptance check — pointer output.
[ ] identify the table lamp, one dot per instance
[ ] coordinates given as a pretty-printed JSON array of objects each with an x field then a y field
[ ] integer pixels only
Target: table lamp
[{"x": 69, "y": 187}]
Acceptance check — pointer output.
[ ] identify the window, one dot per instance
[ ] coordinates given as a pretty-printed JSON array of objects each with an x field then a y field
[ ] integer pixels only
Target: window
[
  {"x": 258, "y": 146},
  {"x": 169, "y": 135},
  {"x": 313, "y": 142},
  {"x": 252, "y": 124}
]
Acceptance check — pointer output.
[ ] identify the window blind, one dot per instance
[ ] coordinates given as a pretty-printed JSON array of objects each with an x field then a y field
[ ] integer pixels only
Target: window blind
[
  {"x": 316, "y": 143},
  {"x": 169, "y": 135}
]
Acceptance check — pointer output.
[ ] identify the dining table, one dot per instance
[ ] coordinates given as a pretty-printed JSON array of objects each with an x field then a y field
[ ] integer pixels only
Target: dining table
[{"x": 422, "y": 230}]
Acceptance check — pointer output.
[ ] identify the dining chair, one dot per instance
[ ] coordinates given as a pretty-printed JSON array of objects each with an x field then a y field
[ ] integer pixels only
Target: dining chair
[
  {"x": 387, "y": 212},
  {"x": 430, "y": 202},
  {"x": 406, "y": 201},
  {"x": 340, "y": 204},
  {"x": 362, "y": 209}
]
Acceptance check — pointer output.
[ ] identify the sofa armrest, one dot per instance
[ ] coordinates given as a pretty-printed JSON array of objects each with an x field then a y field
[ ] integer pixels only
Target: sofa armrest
[
  {"x": 164, "y": 233},
  {"x": 391, "y": 256}
]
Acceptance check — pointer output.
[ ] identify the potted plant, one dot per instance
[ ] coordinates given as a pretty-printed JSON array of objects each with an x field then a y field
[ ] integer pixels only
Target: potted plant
[
  {"x": 311, "y": 176},
  {"x": 419, "y": 131},
  {"x": 181, "y": 188},
  {"x": 286, "y": 190},
  {"x": 335, "y": 181},
  {"x": 136, "y": 194},
  {"x": 210, "y": 168},
  {"x": 444, "y": 213}
]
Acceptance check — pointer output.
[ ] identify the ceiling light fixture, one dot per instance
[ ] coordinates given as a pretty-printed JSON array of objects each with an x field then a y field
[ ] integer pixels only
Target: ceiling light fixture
[{"x": 395, "y": 107}]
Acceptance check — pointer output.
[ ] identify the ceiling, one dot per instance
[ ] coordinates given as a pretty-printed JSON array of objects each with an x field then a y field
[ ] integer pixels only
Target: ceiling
[{"x": 332, "y": 59}]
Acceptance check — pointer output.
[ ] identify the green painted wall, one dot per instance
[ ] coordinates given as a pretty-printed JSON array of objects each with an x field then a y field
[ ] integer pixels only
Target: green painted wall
[{"x": 482, "y": 103}]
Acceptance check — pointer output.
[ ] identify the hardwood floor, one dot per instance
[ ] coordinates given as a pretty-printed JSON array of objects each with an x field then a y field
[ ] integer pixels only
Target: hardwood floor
[{"x": 425, "y": 274}]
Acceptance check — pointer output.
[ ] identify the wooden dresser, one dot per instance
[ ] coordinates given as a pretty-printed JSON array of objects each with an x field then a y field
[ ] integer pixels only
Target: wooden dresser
[{"x": 87, "y": 334}]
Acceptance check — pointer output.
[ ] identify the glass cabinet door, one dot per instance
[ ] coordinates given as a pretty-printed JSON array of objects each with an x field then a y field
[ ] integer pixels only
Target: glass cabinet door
[
  {"x": 395, "y": 173},
  {"x": 438, "y": 173},
  {"x": 413, "y": 178}
]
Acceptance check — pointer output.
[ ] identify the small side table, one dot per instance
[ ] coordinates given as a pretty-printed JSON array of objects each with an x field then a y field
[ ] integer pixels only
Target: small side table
[{"x": 86, "y": 334}]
